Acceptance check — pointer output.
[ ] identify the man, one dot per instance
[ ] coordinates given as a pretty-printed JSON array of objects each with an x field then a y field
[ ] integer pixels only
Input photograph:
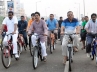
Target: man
[
  {"x": 60, "y": 22},
  {"x": 52, "y": 25},
  {"x": 42, "y": 18},
  {"x": 29, "y": 25},
  {"x": 83, "y": 31},
  {"x": 22, "y": 26},
  {"x": 91, "y": 28},
  {"x": 39, "y": 27},
  {"x": 69, "y": 25},
  {"x": 11, "y": 23},
  {"x": 31, "y": 20}
]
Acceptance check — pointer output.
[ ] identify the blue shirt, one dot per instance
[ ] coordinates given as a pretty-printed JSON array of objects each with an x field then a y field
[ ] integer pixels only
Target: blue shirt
[
  {"x": 51, "y": 24},
  {"x": 70, "y": 25},
  {"x": 22, "y": 25}
]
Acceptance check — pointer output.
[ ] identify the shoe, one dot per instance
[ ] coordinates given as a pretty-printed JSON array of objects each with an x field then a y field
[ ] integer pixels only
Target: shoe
[
  {"x": 44, "y": 59},
  {"x": 58, "y": 39},
  {"x": 16, "y": 56},
  {"x": 88, "y": 55},
  {"x": 64, "y": 62}
]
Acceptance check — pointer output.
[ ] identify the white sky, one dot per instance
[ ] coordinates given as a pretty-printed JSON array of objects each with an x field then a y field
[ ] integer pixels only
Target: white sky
[{"x": 59, "y": 7}]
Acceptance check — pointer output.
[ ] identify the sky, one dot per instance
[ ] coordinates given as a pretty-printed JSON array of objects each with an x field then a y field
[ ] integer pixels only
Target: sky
[{"x": 60, "y": 7}]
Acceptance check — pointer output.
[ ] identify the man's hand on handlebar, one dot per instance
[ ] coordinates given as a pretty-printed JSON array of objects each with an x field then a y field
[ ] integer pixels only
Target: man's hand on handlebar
[
  {"x": 14, "y": 32},
  {"x": 62, "y": 33}
]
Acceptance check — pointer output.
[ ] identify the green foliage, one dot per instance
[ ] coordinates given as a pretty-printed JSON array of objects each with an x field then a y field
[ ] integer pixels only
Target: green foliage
[{"x": 1, "y": 19}]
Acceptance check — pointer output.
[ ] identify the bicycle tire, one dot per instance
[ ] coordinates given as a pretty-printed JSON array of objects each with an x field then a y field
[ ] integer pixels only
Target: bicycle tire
[
  {"x": 69, "y": 59},
  {"x": 31, "y": 49},
  {"x": 9, "y": 57},
  {"x": 51, "y": 49},
  {"x": 19, "y": 50},
  {"x": 35, "y": 53}
]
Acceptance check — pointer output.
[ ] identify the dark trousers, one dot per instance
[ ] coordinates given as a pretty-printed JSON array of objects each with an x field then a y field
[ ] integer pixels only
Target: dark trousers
[
  {"x": 89, "y": 39},
  {"x": 59, "y": 33}
]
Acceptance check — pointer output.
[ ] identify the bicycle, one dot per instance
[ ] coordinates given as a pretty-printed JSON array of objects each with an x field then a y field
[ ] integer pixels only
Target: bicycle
[
  {"x": 7, "y": 52},
  {"x": 21, "y": 41},
  {"x": 51, "y": 41},
  {"x": 70, "y": 49},
  {"x": 94, "y": 48},
  {"x": 37, "y": 52}
]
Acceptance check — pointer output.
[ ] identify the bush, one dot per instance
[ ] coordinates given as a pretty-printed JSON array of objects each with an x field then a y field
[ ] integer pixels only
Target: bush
[{"x": 1, "y": 19}]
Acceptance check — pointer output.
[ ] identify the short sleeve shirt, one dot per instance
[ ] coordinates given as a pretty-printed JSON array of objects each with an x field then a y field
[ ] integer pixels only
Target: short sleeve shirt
[
  {"x": 51, "y": 24},
  {"x": 10, "y": 23},
  {"x": 70, "y": 26}
]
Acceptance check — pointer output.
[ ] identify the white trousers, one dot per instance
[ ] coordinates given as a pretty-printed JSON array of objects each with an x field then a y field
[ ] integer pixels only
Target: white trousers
[
  {"x": 14, "y": 42},
  {"x": 43, "y": 46},
  {"x": 65, "y": 42}
]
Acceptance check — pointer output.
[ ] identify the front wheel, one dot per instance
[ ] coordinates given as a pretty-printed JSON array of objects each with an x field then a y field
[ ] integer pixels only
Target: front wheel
[
  {"x": 69, "y": 59},
  {"x": 35, "y": 57},
  {"x": 6, "y": 57}
]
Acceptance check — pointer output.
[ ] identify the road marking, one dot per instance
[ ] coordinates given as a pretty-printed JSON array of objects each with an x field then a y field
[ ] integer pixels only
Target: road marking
[{"x": 66, "y": 67}]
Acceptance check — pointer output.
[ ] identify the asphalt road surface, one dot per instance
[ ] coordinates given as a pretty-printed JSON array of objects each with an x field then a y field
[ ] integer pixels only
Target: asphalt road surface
[{"x": 54, "y": 62}]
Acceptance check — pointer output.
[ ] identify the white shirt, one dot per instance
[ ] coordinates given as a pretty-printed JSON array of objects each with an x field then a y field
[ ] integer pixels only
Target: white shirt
[
  {"x": 91, "y": 26},
  {"x": 10, "y": 24}
]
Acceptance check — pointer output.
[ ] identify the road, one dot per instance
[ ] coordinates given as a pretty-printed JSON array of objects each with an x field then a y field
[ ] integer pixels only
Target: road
[{"x": 54, "y": 63}]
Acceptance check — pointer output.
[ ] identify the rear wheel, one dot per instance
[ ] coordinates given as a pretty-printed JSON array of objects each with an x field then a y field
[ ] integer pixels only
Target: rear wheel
[
  {"x": 69, "y": 59},
  {"x": 6, "y": 57},
  {"x": 51, "y": 48},
  {"x": 35, "y": 57}
]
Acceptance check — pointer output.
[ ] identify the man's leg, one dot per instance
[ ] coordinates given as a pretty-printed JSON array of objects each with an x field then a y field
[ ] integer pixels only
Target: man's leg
[
  {"x": 43, "y": 50},
  {"x": 5, "y": 41},
  {"x": 15, "y": 47},
  {"x": 89, "y": 41},
  {"x": 25, "y": 38},
  {"x": 75, "y": 42},
  {"x": 64, "y": 48},
  {"x": 33, "y": 39},
  {"x": 58, "y": 33}
]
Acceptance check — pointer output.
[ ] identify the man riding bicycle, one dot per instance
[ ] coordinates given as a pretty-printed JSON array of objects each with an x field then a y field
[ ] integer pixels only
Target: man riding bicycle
[
  {"x": 22, "y": 26},
  {"x": 39, "y": 27},
  {"x": 52, "y": 25},
  {"x": 91, "y": 28},
  {"x": 69, "y": 25},
  {"x": 11, "y": 23}
]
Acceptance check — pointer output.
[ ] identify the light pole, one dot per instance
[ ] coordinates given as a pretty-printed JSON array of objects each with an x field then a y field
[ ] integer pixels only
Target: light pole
[
  {"x": 36, "y": 4},
  {"x": 84, "y": 6},
  {"x": 78, "y": 9}
]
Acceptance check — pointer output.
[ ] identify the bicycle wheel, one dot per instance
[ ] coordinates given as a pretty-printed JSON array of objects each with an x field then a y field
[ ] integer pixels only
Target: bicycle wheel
[
  {"x": 31, "y": 48},
  {"x": 6, "y": 57},
  {"x": 70, "y": 59},
  {"x": 51, "y": 48},
  {"x": 35, "y": 57},
  {"x": 19, "y": 50}
]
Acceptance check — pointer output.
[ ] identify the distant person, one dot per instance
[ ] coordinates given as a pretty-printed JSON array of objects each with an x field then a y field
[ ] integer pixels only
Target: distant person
[
  {"x": 60, "y": 22},
  {"x": 42, "y": 18}
]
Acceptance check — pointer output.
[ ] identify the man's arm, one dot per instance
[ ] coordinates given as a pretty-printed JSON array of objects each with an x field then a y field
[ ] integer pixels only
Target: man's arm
[
  {"x": 56, "y": 24},
  {"x": 87, "y": 26},
  {"x": 28, "y": 25},
  {"x": 62, "y": 27},
  {"x": 45, "y": 28},
  {"x": 3, "y": 24},
  {"x": 15, "y": 24},
  {"x": 31, "y": 29},
  {"x": 25, "y": 25},
  {"x": 77, "y": 28}
]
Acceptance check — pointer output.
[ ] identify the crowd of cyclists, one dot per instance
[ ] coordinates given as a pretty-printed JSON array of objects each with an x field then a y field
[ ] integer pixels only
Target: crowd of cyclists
[{"x": 86, "y": 28}]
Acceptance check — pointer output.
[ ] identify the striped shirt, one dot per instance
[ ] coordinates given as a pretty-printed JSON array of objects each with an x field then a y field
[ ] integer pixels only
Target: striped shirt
[{"x": 91, "y": 26}]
